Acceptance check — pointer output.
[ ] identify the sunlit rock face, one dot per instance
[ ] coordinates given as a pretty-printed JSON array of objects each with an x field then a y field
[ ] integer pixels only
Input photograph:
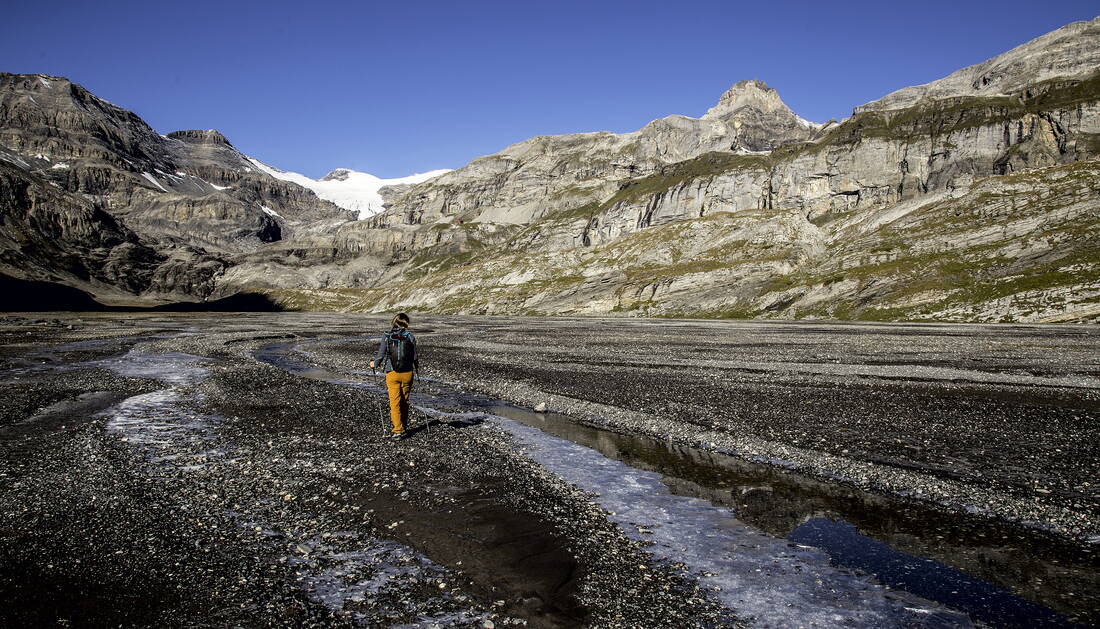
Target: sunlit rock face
[
  {"x": 971, "y": 197},
  {"x": 547, "y": 174},
  {"x": 1070, "y": 52}
]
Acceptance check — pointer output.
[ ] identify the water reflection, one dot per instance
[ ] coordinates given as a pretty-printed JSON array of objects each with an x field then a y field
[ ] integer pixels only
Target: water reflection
[
  {"x": 926, "y": 578},
  {"x": 993, "y": 572}
]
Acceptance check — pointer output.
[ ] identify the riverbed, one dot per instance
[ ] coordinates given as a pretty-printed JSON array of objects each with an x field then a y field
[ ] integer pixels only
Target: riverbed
[{"x": 233, "y": 470}]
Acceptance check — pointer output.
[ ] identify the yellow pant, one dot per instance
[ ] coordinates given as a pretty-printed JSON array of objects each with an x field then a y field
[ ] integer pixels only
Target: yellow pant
[{"x": 399, "y": 384}]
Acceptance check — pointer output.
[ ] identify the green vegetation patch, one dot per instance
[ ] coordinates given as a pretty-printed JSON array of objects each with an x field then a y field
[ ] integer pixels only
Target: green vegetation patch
[
  {"x": 941, "y": 117},
  {"x": 708, "y": 165},
  {"x": 426, "y": 263},
  {"x": 586, "y": 211}
]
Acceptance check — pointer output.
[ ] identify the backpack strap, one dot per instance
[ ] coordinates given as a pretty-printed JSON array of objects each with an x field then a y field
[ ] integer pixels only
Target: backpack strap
[{"x": 390, "y": 340}]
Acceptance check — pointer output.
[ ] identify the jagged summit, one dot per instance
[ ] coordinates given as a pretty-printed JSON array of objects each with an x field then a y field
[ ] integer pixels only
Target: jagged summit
[
  {"x": 748, "y": 93},
  {"x": 209, "y": 137},
  {"x": 752, "y": 99},
  {"x": 59, "y": 93},
  {"x": 37, "y": 81},
  {"x": 339, "y": 174}
]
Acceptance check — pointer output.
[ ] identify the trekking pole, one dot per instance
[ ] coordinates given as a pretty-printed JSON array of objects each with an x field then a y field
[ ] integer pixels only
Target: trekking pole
[
  {"x": 416, "y": 376},
  {"x": 378, "y": 403}
]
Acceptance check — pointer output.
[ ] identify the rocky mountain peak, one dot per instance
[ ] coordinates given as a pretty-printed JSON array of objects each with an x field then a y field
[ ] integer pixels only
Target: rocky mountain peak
[
  {"x": 206, "y": 137},
  {"x": 752, "y": 93},
  {"x": 340, "y": 174},
  {"x": 31, "y": 82},
  {"x": 51, "y": 116},
  {"x": 46, "y": 92}
]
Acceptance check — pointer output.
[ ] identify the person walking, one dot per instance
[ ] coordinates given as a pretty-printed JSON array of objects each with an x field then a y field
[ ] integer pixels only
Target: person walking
[{"x": 398, "y": 348}]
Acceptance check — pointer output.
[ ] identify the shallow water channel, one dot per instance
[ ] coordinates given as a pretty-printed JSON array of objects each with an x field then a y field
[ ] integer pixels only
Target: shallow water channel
[
  {"x": 336, "y": 568},
  {"x": 780, "y": 548}
]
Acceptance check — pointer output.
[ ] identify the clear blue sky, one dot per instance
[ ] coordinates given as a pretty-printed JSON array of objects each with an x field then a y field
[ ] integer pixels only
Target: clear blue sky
[{"x": 395, "y": 87}]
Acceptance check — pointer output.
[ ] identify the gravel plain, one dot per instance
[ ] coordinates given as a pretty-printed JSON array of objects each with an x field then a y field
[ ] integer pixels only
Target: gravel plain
[{"x": 155, "y": 472}]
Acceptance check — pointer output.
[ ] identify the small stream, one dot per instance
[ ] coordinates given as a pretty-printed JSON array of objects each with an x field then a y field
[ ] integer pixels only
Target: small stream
[
  {"x": 336, "y": 568},
  {"x": 779, "y": 548}
]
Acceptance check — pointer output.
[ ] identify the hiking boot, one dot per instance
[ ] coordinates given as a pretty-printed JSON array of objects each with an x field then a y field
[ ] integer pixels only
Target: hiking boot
[{"x": 397, "y": 436}]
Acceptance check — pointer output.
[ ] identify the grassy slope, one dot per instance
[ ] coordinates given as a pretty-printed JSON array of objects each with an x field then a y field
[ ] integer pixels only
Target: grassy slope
[{"x": 1036, "y": 244}]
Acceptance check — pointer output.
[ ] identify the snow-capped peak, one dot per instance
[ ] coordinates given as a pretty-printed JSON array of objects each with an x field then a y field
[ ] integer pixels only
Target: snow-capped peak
[
  {"x": 808, "y": 123},
  {"x": 349, "y": 189}
]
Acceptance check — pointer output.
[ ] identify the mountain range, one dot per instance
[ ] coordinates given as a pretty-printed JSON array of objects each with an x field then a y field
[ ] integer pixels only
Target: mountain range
[{"x": 974, "y": 197}]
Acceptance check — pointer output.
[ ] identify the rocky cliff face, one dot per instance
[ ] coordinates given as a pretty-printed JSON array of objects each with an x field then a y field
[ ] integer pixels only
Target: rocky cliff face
[
  {"x": 546, "y": 174},
  {"x": 973, "y": 198},
  {"x": 95, "y": 198}
]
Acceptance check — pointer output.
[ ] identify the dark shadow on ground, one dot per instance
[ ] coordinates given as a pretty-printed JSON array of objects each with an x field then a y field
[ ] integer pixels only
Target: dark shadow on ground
[
  {"x": 427, "y": 426},
  {"x": 241, "y": 302},
  {"x": 35, "y": 296},
  {"x": 32, "y": 296}
]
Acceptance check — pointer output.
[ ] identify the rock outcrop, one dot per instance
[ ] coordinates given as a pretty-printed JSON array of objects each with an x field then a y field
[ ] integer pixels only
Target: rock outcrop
[
  {"x": 95, "y": 198},
  {"x": 1070, "y": 52}
]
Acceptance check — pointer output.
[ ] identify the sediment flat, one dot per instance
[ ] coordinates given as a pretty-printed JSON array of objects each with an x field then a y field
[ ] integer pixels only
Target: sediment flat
[{"x": 234, "y": 470}]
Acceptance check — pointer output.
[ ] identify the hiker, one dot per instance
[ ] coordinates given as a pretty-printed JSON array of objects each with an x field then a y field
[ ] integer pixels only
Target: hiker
[{"x": 398, "y": 347}]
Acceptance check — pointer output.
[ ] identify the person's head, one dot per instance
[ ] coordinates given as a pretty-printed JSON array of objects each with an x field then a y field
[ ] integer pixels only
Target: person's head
[{"x": 401, "y": 320}]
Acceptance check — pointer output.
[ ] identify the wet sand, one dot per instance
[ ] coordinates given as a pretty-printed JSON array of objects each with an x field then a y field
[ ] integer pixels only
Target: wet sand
[{"x": 183, "y": 470}]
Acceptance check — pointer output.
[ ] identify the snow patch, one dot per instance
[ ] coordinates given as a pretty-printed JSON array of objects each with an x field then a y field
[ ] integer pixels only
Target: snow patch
[
  {"x": 154, "y": 181},
  {"x": 269, "y": 211},
  {"x": 380, "y": 568},
  {"x": 45, "y": 83},
  {"x": 60, "y": 165},
  {"x": 806, "y": 123},
  {"x": 355, "y": 191},
  {"x": 15, "y": 160}
]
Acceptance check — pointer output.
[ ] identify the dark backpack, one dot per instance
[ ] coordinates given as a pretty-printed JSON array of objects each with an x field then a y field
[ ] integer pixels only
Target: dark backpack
[{"x": 402, "y": 350}]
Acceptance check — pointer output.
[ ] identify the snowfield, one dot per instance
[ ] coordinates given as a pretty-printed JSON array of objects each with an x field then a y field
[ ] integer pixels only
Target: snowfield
[{"x": 349, "y": 189}]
